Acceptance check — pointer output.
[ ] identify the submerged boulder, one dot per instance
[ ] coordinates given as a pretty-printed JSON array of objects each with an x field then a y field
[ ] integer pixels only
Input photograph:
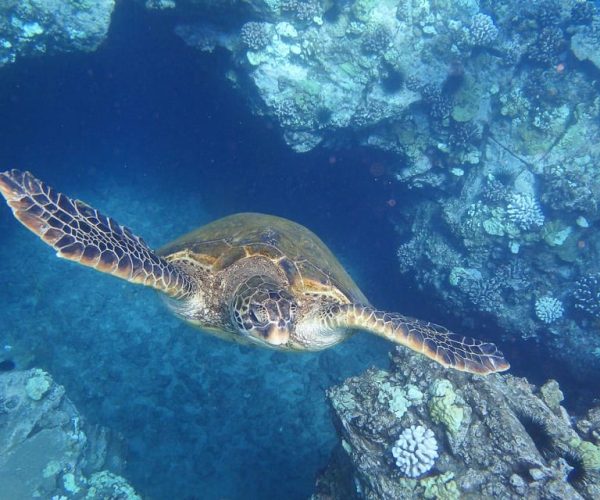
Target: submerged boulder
[
  {"x": 496, "y": 437},
  {"x": 47, "y": 450},
  {"x": 34, "y": 27}
]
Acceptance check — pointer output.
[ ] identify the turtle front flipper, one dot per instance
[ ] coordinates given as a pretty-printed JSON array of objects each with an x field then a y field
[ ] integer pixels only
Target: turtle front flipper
[
  {"x": 80, "y": 233},
  {"x": 434, "y": 341}
]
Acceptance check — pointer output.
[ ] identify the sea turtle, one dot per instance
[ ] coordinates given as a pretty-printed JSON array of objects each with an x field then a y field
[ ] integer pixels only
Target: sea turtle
[{"x": 250, "y": 278}]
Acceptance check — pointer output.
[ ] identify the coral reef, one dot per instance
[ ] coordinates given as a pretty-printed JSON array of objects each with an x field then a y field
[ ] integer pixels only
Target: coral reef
[
  {"x": 484, "y": 102},
  {"x": 34, "y": 27},
  {"x": 513, "y": 440},
  {"x": 47, "y": 450}
]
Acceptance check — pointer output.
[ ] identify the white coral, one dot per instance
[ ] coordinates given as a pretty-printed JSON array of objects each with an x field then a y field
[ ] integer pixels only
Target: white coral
[
  {"x": 524, "y": 211},
  {"x": 415, "y": 451},
  {"x": 482, "y": 31},
  {"x": 548, "y": 309}
]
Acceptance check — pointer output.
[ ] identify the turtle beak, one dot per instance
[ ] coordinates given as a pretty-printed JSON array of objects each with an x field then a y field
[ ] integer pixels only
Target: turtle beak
[{"x": 277, "y": 335}]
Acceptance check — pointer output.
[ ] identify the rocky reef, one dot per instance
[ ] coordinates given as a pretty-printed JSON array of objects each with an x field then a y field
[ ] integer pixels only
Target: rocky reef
[
  {"x": 46, "y": 448},
  {"x": 35, "y": 27},
  {"x": 419, "y": 431}
]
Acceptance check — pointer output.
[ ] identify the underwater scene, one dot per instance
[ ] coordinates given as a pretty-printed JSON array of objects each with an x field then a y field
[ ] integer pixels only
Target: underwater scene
[{"x": 294, "y": 182}]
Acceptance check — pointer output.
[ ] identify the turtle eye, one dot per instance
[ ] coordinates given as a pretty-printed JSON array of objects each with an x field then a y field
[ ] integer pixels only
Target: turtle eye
[{"x": 258, "y": 314}]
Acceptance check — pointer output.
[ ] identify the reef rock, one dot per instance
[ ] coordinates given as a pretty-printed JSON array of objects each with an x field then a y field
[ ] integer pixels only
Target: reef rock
[
  {"x": 46, "y": 448},
  {"x": 586, "y": 44},
  {"x": 33, "y": 27},
  {"x": 497, "y": 437}
]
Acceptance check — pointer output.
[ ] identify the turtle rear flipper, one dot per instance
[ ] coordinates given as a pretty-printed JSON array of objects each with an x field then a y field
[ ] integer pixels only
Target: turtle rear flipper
[
  {"x": 80, "y": 233},
  {"x": 436, "y": 342}
]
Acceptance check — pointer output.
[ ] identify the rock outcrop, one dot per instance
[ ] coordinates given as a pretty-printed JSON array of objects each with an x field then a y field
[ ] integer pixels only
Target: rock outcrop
[
  {"x": 46, "y": 448},
  {"x": 34, "y": 27},
  {"x": 497, "y": 437}
]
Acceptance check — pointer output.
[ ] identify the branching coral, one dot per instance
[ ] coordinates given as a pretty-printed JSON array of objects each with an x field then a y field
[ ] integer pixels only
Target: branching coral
[
  {"x": 377, "y": 40},
  {"x": 255, "y": 35},
  {"x": 440, "y": 104},
  {"x": 408, "y": 255},
  {"x": 463, "y": 135},
  {"x": 524, "y": 211},
  {"x": 548, "y": 309},
  {"x": 547, "y": 46},
  {"x": 415, "y": 451},
  {"x": 482, "y": 32},
  {"x": 587, "y": 295},
  {"x": 302, "y": 10}
]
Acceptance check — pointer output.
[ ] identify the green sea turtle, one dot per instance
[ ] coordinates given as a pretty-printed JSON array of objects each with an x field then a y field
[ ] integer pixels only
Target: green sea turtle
[{"x": 250, "y": 278}]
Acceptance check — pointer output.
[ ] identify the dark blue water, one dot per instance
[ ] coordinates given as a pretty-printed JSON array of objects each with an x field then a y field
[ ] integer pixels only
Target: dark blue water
[{"x": 150, "y": 132}]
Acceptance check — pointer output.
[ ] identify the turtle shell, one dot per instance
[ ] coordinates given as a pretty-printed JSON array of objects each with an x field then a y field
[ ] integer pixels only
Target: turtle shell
[{"x": 306, "y": 261}]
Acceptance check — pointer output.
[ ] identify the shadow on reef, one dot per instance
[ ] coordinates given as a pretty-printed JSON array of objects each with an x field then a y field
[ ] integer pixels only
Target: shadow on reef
[{"x": 417, "y": 431}]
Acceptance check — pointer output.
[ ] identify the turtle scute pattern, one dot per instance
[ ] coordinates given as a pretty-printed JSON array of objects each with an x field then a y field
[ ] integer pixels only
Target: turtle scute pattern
[
  {"x": 306, "y": 261},
  {"x": 80, "y": 233}
]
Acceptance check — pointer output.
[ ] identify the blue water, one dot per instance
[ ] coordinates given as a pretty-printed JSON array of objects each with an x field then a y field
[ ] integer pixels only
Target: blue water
[{"x": 148, "y": 131}]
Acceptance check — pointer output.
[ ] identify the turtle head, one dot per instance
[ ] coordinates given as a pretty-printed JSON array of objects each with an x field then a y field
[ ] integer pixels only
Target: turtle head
[{"x": 263, "y": 311}]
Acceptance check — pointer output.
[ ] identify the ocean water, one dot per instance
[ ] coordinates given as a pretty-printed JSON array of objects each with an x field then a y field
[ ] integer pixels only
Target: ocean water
[{"x": 148, "y": 131}]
